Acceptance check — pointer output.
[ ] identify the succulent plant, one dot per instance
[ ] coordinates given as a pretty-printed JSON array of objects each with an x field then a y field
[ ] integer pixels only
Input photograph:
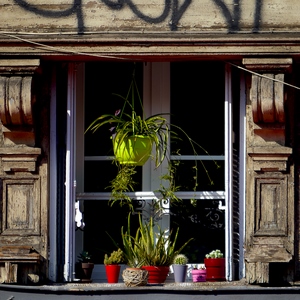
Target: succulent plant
[
  {"x": 214, "y": 254},
  {"x": 84, "y": 257},
  {"x": 116, "y": 257},
  {"x": 180, "y": 259}
]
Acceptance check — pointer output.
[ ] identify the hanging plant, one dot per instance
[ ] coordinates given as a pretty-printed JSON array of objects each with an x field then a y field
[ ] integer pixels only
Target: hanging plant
[
  {"x": 133, "y": 138},
  {"x": 132, "y": 133}
]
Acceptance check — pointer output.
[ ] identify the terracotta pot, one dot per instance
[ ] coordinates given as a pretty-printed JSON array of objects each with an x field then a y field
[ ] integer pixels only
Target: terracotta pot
[
  {"x": 157, "y": 274},
  {"x": 198, "y": 275},
  {"x": 112, "y": 273},
  {"x": 135, "y": 150},
  {"x": 87, "y": 270},
  {"x": 180, "y": 273},
  {"x": 215, "y": 269}
]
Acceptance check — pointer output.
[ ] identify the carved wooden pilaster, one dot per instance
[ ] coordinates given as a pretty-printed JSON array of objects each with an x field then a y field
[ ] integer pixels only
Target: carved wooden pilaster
[
  {"x": 23, "y": 217},
  {"x": 270, "y": 191}
]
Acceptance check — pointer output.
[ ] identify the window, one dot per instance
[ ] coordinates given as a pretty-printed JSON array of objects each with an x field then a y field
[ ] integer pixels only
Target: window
[{"x": 198, "y": 97}]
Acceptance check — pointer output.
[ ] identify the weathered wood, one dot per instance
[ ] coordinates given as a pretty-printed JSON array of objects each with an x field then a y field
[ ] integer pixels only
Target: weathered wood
[
  {"x": 257, "y": 272},
  {"x": 23, "y": 220},
  {"x": 34, "y": 278},
  {"x": 17, "y": 262},
  {"x": 270, "y": 194}
]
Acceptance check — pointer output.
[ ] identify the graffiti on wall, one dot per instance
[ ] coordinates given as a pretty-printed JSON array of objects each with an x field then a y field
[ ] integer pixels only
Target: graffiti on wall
[{"x": 172, "y": 13}]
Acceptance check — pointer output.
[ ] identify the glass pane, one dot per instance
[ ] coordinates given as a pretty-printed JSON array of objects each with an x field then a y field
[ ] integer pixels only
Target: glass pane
[
  {"x": 103, "y": 223},
  {"x": 204, "y": 222},
  {"x": 197, "y": 106},
  {"x": 210, "y": 175},
  {"x": 98, "y": 174},
  {"x": 105, "y": 82}
]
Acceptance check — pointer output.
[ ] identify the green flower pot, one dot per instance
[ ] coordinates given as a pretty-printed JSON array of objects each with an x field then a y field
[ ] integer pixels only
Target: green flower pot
[{"x": 134, "y": 150}]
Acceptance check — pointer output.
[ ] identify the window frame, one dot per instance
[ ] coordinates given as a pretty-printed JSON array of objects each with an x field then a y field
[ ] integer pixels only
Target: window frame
[{"x": 74, "y": 157}]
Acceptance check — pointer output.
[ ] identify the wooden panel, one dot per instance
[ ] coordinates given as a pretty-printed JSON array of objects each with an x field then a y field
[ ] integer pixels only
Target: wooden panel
[
  {"x": 21, "y": 207},
  {"x": 270, "y": 207}
]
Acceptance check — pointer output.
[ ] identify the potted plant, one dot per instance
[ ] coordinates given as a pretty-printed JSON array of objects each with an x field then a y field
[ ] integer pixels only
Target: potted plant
[
  {"x": 133, "y": 275},
  {"x": 198, "y": 274},
  {"x": 86, "y": 266},
  {"x": 180, "y": 267},
  {"x": 112, "y": 267},
  {"x": 215, "y": 266},
  {"x": 154, "y": 249},
  {"x": 133, "y": 134}
]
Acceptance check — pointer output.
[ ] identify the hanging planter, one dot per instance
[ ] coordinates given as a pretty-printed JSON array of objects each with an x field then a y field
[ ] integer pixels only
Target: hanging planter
[{"x": 134, "y": 150}]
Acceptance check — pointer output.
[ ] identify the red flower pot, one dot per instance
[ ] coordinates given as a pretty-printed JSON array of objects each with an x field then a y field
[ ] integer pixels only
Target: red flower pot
[
  {"x": 112, "y": 273},
  {"x": 157, "y": 274},
  {"x": 215, "y": 269}
]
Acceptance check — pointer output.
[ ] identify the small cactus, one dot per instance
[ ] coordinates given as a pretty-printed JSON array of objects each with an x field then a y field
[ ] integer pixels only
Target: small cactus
[
  {"x": 214, "y": 254},
  {"x": 180, "y": 259}
]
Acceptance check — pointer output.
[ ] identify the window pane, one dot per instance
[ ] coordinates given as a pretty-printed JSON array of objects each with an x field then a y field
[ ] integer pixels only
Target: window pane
[
  {"x": 98, "y": 174},
  {"x": 103, "y": 83},
  {"x": 203, "y": 222},
  {"x": 197, "y": 106},
  {"x": 103, "y": 221},
  {"x": 210, "y": 175}
]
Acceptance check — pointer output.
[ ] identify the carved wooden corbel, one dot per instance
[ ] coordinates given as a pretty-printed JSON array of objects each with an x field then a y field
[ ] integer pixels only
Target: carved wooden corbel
[
  {"x": 267, "y": 98},
  {"x": 16, "y": 101}
]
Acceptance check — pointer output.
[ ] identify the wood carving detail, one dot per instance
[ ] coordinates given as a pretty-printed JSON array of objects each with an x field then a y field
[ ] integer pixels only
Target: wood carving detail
[
  {"x": 15, "y": 100},
  {"x": 267, "y": 98}
]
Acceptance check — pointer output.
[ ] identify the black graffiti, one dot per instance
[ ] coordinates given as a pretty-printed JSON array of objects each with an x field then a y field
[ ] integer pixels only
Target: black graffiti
[
  {"x": 170, "y": 5},
  {"x": 172, "y": 8},
  {"x": 257, "y": 16},
  {"x": 233, "y": 19},
  {"x": 75, "y": 9}
]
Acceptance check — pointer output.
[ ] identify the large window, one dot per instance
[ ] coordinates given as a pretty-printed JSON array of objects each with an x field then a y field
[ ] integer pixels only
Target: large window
[{"x": 194, "y": 95}]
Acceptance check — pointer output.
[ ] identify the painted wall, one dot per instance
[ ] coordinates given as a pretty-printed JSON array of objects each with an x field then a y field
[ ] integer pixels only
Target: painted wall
[{"x": 83, "y": 16}]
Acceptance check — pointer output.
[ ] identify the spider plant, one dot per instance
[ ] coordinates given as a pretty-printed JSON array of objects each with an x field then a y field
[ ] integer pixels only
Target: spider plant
[
  {"x": 127, "y": 125},
  {"x": 126, "y": 128}
]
